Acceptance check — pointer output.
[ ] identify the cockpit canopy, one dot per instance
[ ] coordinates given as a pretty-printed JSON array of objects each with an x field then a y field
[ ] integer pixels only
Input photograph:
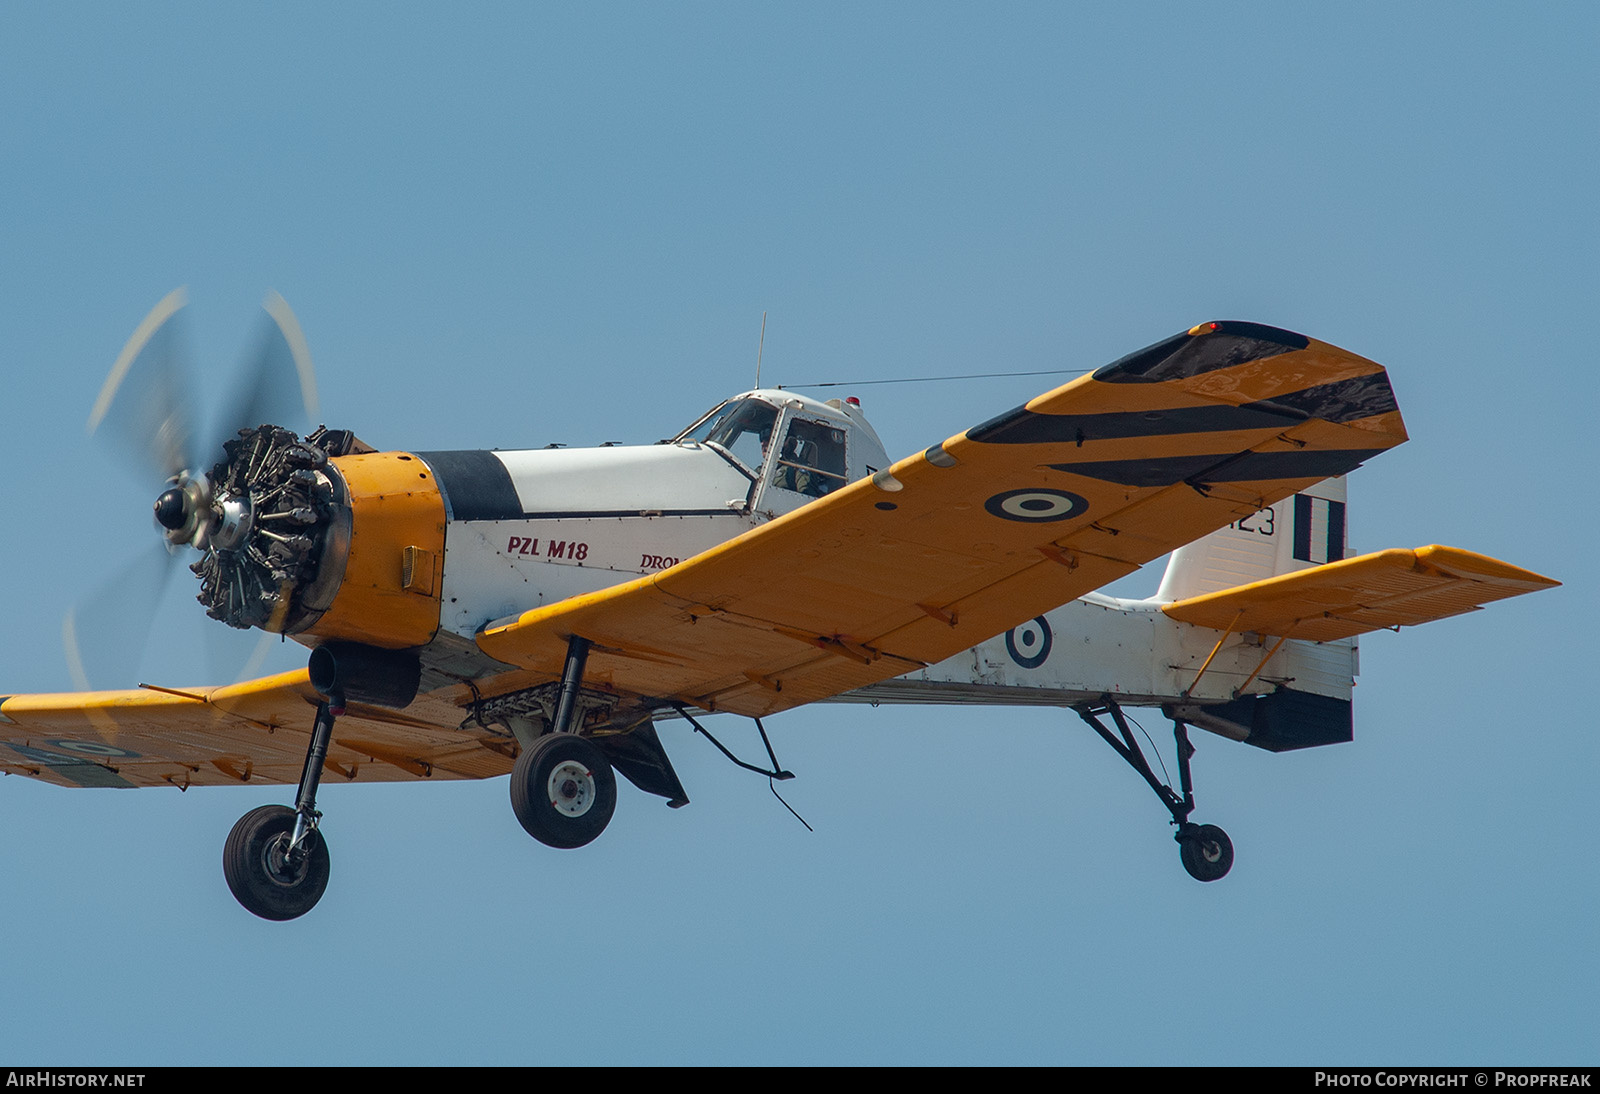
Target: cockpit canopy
[
  {"x": 821, "y": 446},
  {"x": 741, "y": 428}
]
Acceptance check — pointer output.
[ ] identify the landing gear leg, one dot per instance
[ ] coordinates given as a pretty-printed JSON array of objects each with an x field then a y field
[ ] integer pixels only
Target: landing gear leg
[
  {"x": 1205, "y": 850},
  {"x": 275, "y": 860},
  {"x": 563, "y": 790}
]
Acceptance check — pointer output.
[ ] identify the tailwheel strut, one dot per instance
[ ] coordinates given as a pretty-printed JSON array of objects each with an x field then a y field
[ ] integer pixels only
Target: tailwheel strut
[
  {"x": 1205, "y": 850},
  {"x": 275, "y": 859}
]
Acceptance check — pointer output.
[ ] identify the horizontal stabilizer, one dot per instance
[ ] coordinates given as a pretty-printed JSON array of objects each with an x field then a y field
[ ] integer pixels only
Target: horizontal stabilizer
[{"x": 1394, "y": 588}]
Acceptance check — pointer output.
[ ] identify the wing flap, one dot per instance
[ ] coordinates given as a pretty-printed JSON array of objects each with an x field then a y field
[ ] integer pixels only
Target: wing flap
[
  {"x": 1394, "y": 588},
  {"x": 994, "y": 526},
  {"x": 255, "y": 731}
]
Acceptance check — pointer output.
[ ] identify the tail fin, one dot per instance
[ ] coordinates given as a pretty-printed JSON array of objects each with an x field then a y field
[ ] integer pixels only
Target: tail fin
[
  {"x": 1305, "y": 530},
  {"x": 1297, "y": 533}
]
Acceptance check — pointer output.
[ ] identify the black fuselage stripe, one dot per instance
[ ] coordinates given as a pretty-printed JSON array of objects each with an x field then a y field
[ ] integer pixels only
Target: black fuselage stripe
[{"x": 475, "y": 485}]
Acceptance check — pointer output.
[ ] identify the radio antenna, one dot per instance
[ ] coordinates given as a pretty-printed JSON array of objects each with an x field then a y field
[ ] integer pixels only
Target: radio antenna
[{"x": 761, "y": 345}]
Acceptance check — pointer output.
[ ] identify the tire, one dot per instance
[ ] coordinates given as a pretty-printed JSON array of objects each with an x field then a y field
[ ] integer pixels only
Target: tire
[
  {"x": 1206, "y": 851},
  {"x": 563, "y": 790},
  {"x": 252, "y": 861}
]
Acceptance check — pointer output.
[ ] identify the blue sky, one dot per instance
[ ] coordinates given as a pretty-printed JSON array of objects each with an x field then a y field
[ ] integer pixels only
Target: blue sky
[{"x": 507, "y": 225}]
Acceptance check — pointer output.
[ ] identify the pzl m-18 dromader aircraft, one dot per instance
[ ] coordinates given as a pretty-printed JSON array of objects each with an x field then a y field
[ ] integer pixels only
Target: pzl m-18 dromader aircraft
[{"x": 474, "y": 614}]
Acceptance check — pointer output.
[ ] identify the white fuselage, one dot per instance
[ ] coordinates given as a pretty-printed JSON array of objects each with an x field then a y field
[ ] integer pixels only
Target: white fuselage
[
  {"x": 546, "y": 524},
  {"x": 591, "y": 518}
]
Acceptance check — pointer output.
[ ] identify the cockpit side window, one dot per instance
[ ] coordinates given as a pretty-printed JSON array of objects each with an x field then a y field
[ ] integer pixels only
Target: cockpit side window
[
  {"x": 812, "y": 460},
  {"x": 741, "y": 429}
]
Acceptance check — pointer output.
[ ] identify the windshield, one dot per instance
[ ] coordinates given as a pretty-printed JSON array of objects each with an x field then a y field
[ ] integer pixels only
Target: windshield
[{"x": 742, "y": 428}]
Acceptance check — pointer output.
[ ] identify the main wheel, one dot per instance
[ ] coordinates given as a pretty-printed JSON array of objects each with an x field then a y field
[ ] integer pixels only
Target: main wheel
[
  {"x": 563, "y": 790},
  {"x": 255, "y": 862},
  {"x": 1206, "y": 850}
]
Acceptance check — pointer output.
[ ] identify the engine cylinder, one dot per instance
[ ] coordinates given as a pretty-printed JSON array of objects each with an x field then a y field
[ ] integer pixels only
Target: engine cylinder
[{"x": 324, "y": 539}]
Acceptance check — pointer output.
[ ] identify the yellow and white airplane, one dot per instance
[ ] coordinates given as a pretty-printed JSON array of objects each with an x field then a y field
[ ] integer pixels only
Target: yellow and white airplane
[{"x": 476, "y": 613}]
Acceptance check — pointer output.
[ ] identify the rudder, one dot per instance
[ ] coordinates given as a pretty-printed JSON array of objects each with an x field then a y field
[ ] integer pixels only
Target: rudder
[{"x": 1305, "y": 530}]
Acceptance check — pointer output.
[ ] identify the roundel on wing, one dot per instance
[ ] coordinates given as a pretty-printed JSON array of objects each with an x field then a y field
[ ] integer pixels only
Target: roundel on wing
[
  {"x": 1029, "y": 644},
  {"x": 94, "y": 748},
  {"x": 1035, "y": 505}
]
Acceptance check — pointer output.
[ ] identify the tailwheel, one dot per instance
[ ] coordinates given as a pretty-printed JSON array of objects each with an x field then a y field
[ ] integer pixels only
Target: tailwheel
[
  {"x": 563, "y": 790},
  {"x": 262, "y": 873},
  {"x": 1206, "y": 851}
]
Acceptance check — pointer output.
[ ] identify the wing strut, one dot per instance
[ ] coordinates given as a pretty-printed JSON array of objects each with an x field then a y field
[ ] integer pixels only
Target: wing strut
[{"x": 1214, "y": 651}]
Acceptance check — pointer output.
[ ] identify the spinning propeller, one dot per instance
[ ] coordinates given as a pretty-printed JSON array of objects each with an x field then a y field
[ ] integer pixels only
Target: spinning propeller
[{"x": 147, "y": 409}]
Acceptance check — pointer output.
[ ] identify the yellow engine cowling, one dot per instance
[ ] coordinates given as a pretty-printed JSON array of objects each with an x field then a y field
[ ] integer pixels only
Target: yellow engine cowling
[{"x": 383, "y": 559}]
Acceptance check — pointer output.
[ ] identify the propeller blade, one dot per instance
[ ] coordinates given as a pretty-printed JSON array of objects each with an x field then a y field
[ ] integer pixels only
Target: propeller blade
[
  {"x": 235, "y": 655},
  {"x": 105, "y": 635},
  {"x": 143, "y": 404},
  {"x": 279, "y": 382}
]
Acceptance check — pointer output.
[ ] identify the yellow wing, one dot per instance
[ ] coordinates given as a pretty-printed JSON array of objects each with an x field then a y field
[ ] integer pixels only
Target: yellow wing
[
  {"x": 1395, "y": 588},
  {"x": 256, "y": 731},
  {"x": 958, "y": 543}
]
